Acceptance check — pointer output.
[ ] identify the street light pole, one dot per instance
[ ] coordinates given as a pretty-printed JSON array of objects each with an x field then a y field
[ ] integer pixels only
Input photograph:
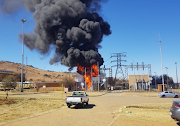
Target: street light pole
[
  {"x": 167, "y": 74},
  {"x": 23, "y": 20},
  {"x": 177, "y": 75},
  {"x": 161, "y": 65},
  {"x": 134, "y": 77},
  {"x": 43, "y": 73},
  {"x": 155, "y": 80},
  {"x": 98, "y": 75},
  {"x": 85, "y": 79}
]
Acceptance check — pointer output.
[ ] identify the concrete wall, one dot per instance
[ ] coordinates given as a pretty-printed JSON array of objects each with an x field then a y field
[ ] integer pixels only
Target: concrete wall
[
  {"x": 49, "y": 86},
  {"x": 138, "y": 79}
]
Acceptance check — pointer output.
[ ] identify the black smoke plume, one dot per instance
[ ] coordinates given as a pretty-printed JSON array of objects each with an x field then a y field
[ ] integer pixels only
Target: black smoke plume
[{"x": 73, "y": 26}]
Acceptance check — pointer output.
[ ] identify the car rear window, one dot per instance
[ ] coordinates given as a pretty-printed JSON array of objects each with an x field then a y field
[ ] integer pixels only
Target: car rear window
[{"x": 78, "y": 93}]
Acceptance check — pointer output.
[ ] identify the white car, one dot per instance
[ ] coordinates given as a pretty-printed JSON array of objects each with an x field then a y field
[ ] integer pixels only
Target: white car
[
  {"x": 168, "y": 94},
  {"x": 77, "y": 97}
]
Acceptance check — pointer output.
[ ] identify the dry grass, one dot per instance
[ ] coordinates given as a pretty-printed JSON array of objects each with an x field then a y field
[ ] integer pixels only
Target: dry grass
[
  {"x": 18, "y": 91},
  {"x": 156, "y": 112},
  {"x": 141, "y": 93},
  {"x": 26, "y": 107}
]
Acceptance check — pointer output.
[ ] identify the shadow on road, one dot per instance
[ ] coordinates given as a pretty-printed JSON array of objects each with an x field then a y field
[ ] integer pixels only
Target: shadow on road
[{"x": 89, "y": 106}]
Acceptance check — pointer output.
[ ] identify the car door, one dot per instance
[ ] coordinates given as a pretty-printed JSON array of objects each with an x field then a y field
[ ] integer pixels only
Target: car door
[
  {"x": 166, "y": 93},
  {"x": 171, "y": 94}
]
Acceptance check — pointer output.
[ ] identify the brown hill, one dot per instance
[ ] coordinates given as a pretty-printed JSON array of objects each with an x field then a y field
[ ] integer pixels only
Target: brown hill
[{"x": 34, "y": 74}]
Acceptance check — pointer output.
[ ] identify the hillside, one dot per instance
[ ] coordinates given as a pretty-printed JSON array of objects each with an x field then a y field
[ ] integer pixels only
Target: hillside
[{"x": 34, "y": 74}]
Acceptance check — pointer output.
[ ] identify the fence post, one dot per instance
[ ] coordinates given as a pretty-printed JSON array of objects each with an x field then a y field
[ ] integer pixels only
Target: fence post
[{"x": 62, "y": 92}]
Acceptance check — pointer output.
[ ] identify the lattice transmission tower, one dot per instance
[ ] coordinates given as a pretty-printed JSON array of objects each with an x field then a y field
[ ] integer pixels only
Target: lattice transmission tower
[{"x": 119, "y": 71}]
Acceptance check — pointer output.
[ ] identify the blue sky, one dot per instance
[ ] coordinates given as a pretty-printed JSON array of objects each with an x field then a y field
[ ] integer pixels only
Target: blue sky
[{"x": 135, "y": 26}]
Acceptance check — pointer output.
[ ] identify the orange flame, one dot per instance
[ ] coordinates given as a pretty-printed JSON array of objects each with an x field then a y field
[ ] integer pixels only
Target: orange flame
[{"x": 87, "y": 74}]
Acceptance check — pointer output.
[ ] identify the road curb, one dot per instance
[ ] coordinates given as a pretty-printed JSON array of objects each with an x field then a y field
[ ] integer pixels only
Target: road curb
[
  {"x": 98, "y": 95},
  {"x": 120, "y": 110}
]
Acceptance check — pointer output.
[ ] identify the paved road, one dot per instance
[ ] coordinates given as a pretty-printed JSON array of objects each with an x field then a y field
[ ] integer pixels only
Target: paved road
[{"x": 101, "y": 111}]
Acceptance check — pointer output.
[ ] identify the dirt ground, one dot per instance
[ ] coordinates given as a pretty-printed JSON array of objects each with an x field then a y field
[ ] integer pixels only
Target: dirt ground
[
  {"x": 105, "y": 111},
  {"x": 7, "y": 101}
]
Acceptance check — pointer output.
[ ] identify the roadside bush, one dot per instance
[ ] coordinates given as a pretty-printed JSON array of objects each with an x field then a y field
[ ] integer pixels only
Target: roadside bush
[{"x": 9, "y": 82}]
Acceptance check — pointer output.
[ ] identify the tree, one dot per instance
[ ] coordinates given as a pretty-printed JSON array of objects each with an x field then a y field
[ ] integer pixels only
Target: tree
[
  {"x": 9, "y": 82},
  {"x": 68, "y": 82},
  {"x": 1, "y": 77},
  {"x": 159, "y": 80}
]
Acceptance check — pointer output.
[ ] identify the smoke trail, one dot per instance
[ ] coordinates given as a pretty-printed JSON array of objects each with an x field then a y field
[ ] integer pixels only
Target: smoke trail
[
  {"x": 73, "y": 26},
  {"x": 10, "y": 6}
]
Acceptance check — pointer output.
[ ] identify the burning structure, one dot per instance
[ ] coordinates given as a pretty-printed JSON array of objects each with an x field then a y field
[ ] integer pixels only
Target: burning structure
[
  {"x": 73, "y": 27},
  {"x": 88, "y": 72}
]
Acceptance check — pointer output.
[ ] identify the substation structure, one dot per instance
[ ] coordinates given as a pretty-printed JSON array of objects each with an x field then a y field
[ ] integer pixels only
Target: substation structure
[{"x": 139, "y": 82}]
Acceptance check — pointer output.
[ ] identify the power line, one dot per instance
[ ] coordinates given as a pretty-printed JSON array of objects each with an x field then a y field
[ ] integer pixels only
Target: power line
[
  {"x": 108, "y": 64},
  {"x": 107, "y": 59},
  {"x": 110, "y": 70}
]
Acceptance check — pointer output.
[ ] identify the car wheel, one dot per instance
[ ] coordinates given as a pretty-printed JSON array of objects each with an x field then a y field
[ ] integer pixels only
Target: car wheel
[
  {"x": 176, "y": 96},
  {"x": 87, "y": 102},
  {"x": 178, "y": 123},
  {"x": 163, "y": 96},
  {"x": 83, "y": 105},
  {"x": 69, "y": 106}
]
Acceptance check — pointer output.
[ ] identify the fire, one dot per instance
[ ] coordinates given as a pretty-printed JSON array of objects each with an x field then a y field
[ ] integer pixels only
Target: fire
[{"x": 86, "y": 71}]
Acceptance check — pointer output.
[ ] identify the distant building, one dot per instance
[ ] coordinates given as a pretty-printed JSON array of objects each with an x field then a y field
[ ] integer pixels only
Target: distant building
[
  {"x": 4, "y": 73},
  {"x": 139, "y": 82}
]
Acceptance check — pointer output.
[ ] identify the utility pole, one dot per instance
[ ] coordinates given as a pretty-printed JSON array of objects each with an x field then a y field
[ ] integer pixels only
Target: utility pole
[
  {"x": 98, "y": 75},
  {"x": 134, "y": 77},
  {"x": 23, "y": 20},
  {"x": 26, "y": 67},
  {"x": 167, "y": 74},
  {"x": 177, "y": 76},
  {"x": 110, "y": 72},
  {"x": 155, "y": 80},
  {"x": 161, "y": 63},
  {"x": 85, "y": 79},
  {"x": 91, "y": 79},
  {"x": 76, "y": 79},
  {"x": 141, "y": 79},
  {"x": 148, "y": 80},
  {"x": 43, "y": 73}
]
